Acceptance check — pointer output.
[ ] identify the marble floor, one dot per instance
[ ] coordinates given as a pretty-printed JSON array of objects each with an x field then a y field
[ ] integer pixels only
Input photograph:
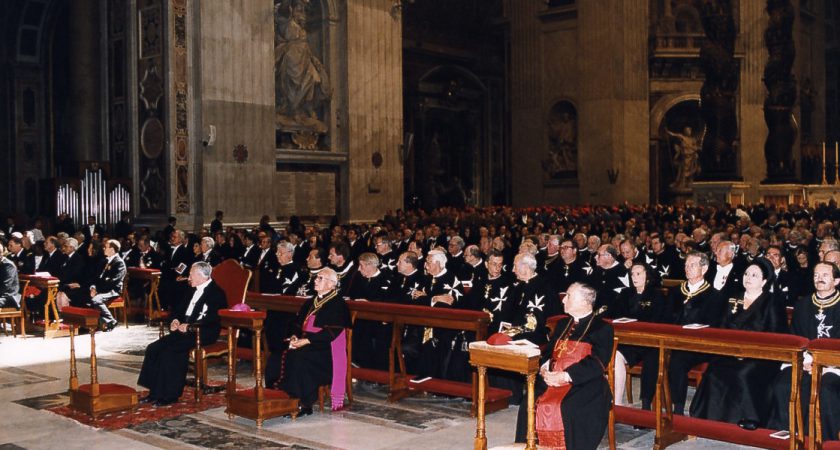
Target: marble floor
[{"x": 34, "y": 373}]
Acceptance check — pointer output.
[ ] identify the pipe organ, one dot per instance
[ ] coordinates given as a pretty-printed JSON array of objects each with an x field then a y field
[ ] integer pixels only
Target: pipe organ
[{"x": 93, "y": 195}]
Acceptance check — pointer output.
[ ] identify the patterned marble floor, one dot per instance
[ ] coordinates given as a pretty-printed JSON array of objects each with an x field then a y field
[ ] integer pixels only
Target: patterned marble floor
[{"x": 33, "y": 377}]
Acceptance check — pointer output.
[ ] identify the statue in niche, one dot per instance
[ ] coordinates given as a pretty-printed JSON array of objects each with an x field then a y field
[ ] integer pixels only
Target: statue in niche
[
  {"x": 302, "y": 84},
  {"x": 686, "y": 149},
  {"x": 562, "y": 142}
]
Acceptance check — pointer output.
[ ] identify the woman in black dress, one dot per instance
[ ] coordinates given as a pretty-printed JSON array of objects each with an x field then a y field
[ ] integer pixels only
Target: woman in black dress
[
  {"x": 735, "y": 390},
  {"x": 645, "y": 303}
]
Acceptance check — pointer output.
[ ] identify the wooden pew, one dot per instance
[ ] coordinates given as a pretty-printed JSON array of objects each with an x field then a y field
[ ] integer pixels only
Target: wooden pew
[
  {"x": 670, "y": 428},
  {"x": 826, "y": 352},
  {"x": 397, "y": 378}
]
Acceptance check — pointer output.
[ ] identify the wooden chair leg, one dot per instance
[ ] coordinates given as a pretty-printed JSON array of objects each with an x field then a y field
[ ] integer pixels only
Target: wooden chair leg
[
  {"x": 628, "y": 384},
  {"x": 322, "y": 392},
  {"x": 23, "y": 326}
]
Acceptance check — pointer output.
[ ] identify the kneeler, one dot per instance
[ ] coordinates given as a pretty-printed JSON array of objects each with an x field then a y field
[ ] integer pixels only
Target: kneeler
[
  {"x": 256, "y": 403},
  {"x": 94, "y": 398}
]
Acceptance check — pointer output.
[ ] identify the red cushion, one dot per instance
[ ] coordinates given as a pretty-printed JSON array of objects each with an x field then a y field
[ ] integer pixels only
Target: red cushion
[
  {"x": 831, "y": 445},
  {"x": 728, "y": 432},
  {"x": 635, "y": 416},
  {"x": 116, "y": 301},
  {"x": 76, "y": 311},
  {"x": 242, "y": 314},
  {"x": 267, "y": 393},
  {"x": 499, "y": 339},
  {"x": 372, "y": 375},
  {"x": 215, "y": 349},
  {"x": 825, "y": 344},
  {"x": 109, "y": 388}
]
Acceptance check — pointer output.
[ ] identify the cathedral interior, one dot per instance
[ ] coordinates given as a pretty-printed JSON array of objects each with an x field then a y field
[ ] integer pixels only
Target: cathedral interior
[
  {"x": 348, "y": 111},
  {"x": 328, "y": 108}
]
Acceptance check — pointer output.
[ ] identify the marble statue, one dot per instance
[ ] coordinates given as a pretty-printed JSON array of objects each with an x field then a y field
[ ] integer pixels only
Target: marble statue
[
  {"x": 302, "y": 82},
  {"x": 686, "y": 150}
]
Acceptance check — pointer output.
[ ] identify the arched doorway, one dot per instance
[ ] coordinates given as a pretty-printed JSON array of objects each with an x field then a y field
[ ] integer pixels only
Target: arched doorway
[
  {"x": 676, "y": 136},
  {"x": 447, "y": 162}
]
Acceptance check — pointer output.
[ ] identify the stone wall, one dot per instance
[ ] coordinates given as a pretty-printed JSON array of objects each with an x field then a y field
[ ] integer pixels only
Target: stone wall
[
  {"x": 594, "y": 55},
  {"x": 237, "y": 97},
  {"x": 375, "y": 108}
]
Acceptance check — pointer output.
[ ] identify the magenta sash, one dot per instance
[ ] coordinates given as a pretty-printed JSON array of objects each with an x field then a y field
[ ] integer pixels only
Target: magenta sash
[{"x": 339, "y": 363}]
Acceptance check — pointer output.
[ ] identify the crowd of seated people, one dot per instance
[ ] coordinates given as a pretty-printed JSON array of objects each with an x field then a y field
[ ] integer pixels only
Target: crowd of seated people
[{"x": 738, "y": 267}]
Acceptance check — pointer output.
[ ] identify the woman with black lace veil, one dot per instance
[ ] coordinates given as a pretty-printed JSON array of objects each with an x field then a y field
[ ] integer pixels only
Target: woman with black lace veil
[{"x": 735, "y": 390}]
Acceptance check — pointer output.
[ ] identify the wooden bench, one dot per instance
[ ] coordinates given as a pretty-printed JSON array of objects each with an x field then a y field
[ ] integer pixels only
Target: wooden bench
[
  {"x": 396, "y": 377},
  {"x": 671, "y": 428},
  {"x": 826, "y": 352}
]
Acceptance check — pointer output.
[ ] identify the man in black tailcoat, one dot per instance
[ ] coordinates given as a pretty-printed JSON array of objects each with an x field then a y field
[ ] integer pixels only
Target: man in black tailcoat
[{"x": 164, "y": 368}]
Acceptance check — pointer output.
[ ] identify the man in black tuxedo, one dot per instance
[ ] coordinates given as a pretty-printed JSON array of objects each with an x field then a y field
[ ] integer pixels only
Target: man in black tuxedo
[
  {"x": 251, "y": 257},
  {"x": 174, "y": 270},
  {"x": 91, "y": 228},
  {"x": 208, "y": 252},
  {"x": 53, "y": 259},
  {"x": 164, "y": 369},
  {"x": 24, "y": 260},
  {"x": 71, "y": 275},
  {"x": 9, "y": 287},
  {"x": 109, "y": 284}
]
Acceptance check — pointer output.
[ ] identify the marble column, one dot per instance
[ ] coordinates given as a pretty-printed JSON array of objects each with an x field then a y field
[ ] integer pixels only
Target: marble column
[{"x": 84, "y": 80}]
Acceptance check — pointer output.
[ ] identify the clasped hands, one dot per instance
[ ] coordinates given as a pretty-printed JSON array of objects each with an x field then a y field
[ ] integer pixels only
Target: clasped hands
[
  {"x": 295, "y": 343},
  {"x": 176, "y": 325},
  {"x": 555, "y": 378},
  {"x": 448, "y": 299}
]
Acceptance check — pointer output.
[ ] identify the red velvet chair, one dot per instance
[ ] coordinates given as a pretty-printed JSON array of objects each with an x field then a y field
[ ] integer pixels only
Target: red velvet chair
[{"x": 233, "y": 279}]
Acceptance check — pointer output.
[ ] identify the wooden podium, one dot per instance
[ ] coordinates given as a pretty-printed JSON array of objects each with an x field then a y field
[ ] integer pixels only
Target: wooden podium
[
  {"x": 256, "y": 403},
  {"x": 513, "y": 358},
  {"x": 94, "y": 398}
]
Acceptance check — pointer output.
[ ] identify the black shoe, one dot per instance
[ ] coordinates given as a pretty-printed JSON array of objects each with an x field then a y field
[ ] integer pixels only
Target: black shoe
[
  {"x": 747, "y": 424},
  {"x": 147, "y": 399},
  {"x": 159, "y": 403},
  {"x": 304, "y": 411}
]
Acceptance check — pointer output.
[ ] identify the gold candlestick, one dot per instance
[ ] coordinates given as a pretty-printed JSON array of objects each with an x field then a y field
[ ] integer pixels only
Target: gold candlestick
[
  {"x": 823, "y": 165},
  {"x": 836, "y": 165}
]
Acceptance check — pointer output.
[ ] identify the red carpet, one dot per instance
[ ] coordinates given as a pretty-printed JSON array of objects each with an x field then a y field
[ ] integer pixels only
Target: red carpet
[{"x": 145, "y": 412}]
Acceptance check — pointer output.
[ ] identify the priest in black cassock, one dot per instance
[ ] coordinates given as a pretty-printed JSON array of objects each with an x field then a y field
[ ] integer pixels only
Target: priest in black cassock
[
  {"x": 584, "y": 409},
  {"x": 309, "y": 361},
  {"x": 164, "y": 369},
  {"x": 817, "y": 316}
]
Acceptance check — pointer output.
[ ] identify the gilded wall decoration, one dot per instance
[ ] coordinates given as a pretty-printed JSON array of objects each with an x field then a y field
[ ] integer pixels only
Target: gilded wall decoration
[
  {"x": 151, "y": 25},
  {"x": 240, "y": 153},
  {"x": 152, "y": 138},
  {"x": 152, "y": 113},
  {"x": 179, "y": 60}
]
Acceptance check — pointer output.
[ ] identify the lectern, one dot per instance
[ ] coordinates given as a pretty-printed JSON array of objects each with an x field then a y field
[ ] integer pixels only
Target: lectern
[
  {"x": 256, "y": 403},
  {"x": 94, "y": 398},
  {"x": 513, "y": 358}
]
